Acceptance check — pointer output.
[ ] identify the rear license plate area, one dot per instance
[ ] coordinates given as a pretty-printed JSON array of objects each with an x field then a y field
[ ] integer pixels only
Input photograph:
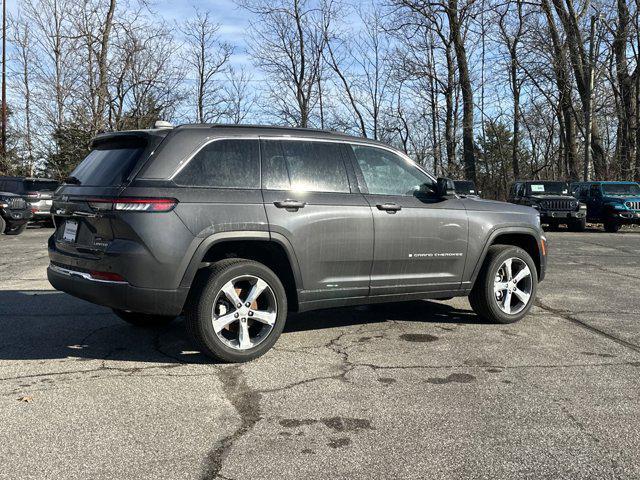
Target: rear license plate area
[{"x": 70, "y": 231}]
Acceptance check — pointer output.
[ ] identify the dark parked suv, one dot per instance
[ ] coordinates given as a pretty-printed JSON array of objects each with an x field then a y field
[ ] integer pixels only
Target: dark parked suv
[
  {"x": 37, "y": 191},
  {"x": 554, "y": 202},
  {"x": 236, "y": 226},
  {"x": 611, "y": 203},
  {"x": 14, "y": 214}
]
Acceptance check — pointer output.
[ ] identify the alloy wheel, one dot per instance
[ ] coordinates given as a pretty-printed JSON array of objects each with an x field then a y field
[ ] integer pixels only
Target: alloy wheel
[
  {"x": 512, "y": 286},
  {"x": 244, "y": 312}
]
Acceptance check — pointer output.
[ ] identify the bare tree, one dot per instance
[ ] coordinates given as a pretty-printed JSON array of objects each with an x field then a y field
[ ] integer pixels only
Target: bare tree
[
  {"x": 208, "y": 57},
  {"x": 287, "y": 41}
]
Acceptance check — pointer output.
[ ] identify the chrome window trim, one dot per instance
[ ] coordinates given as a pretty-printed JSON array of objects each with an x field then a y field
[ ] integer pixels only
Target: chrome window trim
[
  {"x": 210, "y": 140},
  {"x": 83, "y": 275}
]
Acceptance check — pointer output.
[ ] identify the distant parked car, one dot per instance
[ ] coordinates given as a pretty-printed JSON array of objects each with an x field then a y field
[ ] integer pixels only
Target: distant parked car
[
  {"x": 466, "y": 187},
  {"x": 37, "y": 191},
  {"x": 14, "y": 213},
  {"x": 554, "y": 202},
  {"x": 611, "y": 203}
]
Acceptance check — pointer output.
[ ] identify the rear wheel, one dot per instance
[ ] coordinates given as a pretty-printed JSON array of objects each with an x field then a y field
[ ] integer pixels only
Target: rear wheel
[
  {"x": 238, "y": 310},
  {"x": 506, "y": 285},
  {"x": 611, "y": 226},
  {"x": 578, "y": 225},
  {"x": 144, "y": 320},
  {"x": 15, "y": 229}
]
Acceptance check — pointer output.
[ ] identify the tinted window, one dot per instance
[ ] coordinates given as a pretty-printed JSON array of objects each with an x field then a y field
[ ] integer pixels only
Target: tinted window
[
  {"x": 304, "y": 165},
  {"x": 40, "y": 185},
  {"x": 109, "y": 163},
  {"x": 223, "y": 164},
  {"x": 275, "y": 175},
  {"x": 386, "y": 173},
  {"x": 621, "y": 189}
]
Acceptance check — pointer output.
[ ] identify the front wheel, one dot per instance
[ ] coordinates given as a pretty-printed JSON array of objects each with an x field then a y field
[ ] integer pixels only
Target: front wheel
[
  {"x": 144, "y": 320},
  {"x": 15, "y": 229},
  {"x": 506, "y": 285},
  {"x": 578, "y": 225},
  {"x": 237, "y": 311},
  {"x": 611, "y": 226}
]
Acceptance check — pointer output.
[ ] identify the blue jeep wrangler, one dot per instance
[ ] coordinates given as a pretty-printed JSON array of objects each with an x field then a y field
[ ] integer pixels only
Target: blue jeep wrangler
[{"x": 611, "y": 203}]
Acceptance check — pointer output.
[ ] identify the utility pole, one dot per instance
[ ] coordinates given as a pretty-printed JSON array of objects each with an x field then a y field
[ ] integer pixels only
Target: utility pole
[
  {"x": 588, "y": 115},
  {"x": 3, "y": 148}
]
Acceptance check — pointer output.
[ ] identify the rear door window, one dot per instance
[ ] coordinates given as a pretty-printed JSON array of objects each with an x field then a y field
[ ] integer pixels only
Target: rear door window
[
  {"x": 223, "y": 164},
  {"x": 304, "y": 165},
  {"x": 109, "y": 163}
]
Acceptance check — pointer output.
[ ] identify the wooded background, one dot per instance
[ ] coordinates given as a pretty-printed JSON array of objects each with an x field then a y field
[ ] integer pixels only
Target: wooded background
[{"x": 487, "y": 90}]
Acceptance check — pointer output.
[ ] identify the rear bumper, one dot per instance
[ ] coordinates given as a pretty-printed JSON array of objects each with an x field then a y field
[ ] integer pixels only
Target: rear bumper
[{"x": 118, "y": 295}]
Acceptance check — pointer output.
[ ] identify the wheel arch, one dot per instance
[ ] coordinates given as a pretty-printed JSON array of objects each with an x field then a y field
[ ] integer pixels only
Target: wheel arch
[
  {"x": 526, "y": 238},
  {"x": 271, "y": 250}
]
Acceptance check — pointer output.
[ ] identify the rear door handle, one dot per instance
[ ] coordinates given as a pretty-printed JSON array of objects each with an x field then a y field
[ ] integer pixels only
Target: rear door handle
[
  {"x": 389, "y": 207},
  {"x": 290, "y": 204}
]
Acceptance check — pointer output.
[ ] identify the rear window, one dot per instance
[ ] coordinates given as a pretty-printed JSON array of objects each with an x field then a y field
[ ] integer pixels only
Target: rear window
[
  {"x": 40, "y": 185},
  {"x": 109, "y": 163}
]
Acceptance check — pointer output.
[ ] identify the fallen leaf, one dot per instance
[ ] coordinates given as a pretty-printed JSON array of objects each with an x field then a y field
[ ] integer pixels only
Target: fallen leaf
[{"x": 26, "y": 399}]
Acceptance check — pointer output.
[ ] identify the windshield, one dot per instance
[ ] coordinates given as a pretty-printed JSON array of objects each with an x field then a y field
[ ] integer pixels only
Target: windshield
[
  {"x": 621, "y": 189},
  {"x": 465, "y": 188},
  {"x": 108, "y": 164},
  {"x": 548, "y": 188},
  {"x": 40, "y": 185}
]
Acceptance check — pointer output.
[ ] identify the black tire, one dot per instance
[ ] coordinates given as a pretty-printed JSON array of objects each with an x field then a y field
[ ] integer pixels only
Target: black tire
[
  {"x": 15, "y": 230},
  {"x": 3, "y": 225},
  {"x": 143, "y": 320},
  {"x": 201, "y": 305},
  {"x": 578, "y": 225},
  {"x": 611, "y": 226},
  {"x": 483, "y": 298}
]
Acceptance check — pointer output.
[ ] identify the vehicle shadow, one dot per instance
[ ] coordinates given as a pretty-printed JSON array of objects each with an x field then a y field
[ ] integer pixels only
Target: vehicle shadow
[{"x": 50, "y": 325}]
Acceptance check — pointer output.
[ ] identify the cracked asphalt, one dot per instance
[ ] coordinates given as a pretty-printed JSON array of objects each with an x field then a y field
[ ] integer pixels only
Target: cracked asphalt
[{"x": 412, "y": 390}]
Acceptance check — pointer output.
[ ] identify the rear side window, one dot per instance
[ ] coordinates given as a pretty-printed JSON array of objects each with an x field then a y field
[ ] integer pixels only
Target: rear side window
[
  {"x": 109, "y": 163},
  {"x": 223, "y": 164},
  {"x": 304, "y": 165}
]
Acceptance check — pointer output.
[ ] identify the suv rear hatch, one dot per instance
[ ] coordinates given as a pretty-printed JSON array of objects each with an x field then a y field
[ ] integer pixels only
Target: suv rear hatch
[{"x": 84, "y": 205}]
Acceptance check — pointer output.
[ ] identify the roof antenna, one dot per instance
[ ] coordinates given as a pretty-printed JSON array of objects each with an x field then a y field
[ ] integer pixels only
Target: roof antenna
[{"x": 162, "y": 124}]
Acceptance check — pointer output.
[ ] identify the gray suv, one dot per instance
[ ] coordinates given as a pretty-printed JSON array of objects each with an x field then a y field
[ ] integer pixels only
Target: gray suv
[{"x": 237, "y": 226}]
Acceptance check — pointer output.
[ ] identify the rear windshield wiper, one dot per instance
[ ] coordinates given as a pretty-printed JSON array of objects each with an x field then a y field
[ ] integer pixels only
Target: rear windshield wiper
[{"x": 72, "y": 180}]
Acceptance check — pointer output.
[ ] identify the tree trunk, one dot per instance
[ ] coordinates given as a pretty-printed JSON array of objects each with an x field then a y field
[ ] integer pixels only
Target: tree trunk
[{"x": 467, "y": 93}]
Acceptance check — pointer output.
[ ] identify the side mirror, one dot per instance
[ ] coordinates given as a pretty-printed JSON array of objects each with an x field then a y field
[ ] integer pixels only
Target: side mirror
[{"x": 445, "y": 187}]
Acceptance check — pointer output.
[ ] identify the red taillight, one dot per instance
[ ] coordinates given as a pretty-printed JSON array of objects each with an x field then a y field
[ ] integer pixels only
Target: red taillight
[
  {"x": 106, "y": 276},
  {"x": 133, "y": 204},
  {"x": 145, "y": 204}
]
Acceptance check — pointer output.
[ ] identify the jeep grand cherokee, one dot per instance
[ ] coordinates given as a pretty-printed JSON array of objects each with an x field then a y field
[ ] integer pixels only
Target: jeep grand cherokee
[{"x": 236, "y": 226}]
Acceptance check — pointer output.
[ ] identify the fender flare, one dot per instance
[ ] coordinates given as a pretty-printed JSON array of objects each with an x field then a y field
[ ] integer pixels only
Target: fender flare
[
  {"x": 496, "y": 232},
  {"x": 195, "y": 262}
]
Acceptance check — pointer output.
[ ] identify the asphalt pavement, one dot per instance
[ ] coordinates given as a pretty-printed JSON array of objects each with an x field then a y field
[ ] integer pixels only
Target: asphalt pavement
[{"x": 417, "y": 390}]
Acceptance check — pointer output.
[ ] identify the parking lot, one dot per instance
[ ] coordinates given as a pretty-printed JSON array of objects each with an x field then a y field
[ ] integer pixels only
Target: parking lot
[{"x": 412, "y": 390}]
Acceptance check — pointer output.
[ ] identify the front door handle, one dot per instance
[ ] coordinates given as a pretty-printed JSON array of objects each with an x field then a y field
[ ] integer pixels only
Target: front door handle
[
  {"x": 290, "y": 204},
  {"x": 389, "y": 207}
]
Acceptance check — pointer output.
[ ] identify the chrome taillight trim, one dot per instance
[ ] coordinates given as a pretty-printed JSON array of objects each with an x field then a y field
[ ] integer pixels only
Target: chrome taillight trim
[{"x": 84, "y": 275}]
